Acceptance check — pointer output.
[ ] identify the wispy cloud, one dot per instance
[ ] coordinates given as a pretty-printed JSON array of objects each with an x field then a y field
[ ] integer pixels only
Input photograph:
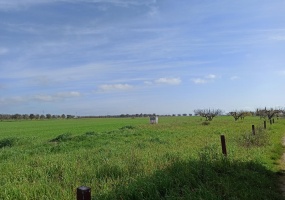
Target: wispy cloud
[
  {"x": 278, "y": 37},
  {"x": 12, "y": 100},
  {"x": 115, "y": 87},
  {"x": 211, "y": 76},
  {"x": 204, "y": 80},
  {"x": 199, "y": 81},
  {"x": 168, "y": 81},
  {"x": 57, "y": 96},
  {"x": 21, "y": 4},
  {"x": 234, "y": 78}
]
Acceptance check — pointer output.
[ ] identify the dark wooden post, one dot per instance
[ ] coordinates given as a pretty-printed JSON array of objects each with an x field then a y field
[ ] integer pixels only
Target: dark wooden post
[
  {"x": 273, "y": 120},
  {"x": 270, "y": 121},
  {"x": 253, "y": 130},
  {"x": 264, "y": 123},
  {"x": 83, "y": 193},
  {"x": 224, "y": 148}
]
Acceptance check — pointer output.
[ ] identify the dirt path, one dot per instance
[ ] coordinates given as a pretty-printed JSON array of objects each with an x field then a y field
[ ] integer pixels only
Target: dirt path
[{"x": 282, "y": 175}]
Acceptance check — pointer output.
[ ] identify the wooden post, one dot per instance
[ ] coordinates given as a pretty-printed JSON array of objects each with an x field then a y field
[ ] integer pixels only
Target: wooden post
[
  {"x": 83, "y": 193},
  {"x": 223, "y": 142},
  {"x": 273, "y": 120},
  {"x": 270, "y": 121},
  {"x": 264, "y": 123},
  {"x": 253, "y": 130}
]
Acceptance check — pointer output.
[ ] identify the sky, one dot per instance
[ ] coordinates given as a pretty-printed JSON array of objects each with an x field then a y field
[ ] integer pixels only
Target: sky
[{"x": 111, "y": 57}]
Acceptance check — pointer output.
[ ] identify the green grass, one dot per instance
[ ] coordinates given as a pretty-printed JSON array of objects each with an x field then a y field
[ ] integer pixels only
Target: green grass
[{"x": 179, "y": 158}]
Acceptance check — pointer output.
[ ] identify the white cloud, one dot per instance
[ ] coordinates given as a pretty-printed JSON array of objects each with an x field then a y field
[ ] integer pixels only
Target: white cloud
[
  {"x": 57, "y": 96},
  {"x": 20, "y": 4},
  {"x": 115, "y": 87},
  {"x": 148, "y": 83},
  {"x": 199, "y": 81},
  {"x": 204, "y": 80},
  {"x": 234, "y": 78},
  {"x": 169, "y": 81},
  {"x": 278, "y": 38},
  {"x": 211, "y": 76}
]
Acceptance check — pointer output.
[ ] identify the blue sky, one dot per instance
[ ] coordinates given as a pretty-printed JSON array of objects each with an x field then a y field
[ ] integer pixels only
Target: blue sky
[{"x": 99, "y": 57}]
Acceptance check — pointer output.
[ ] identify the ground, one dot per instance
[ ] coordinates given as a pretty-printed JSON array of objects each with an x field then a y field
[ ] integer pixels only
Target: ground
[{"x": 282, "y": 174}]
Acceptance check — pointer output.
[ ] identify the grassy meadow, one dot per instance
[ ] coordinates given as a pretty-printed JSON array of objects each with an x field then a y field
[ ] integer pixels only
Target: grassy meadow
[{"x": 179, "y": 158}]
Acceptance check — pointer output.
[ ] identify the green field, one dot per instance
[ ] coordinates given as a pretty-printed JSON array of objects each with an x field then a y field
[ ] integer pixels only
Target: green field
[{"x": 179, "y": 158}]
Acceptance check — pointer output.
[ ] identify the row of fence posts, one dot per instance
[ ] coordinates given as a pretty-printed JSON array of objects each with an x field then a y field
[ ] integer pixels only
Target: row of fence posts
[
  {"x": 84, "y": 193},
  {"x": 223, "y": 139}
]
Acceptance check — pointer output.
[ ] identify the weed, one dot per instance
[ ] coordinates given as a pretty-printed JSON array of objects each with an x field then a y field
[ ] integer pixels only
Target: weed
[
  {"x": 62, "y": 138},
  {"x": 8, "y": 142},
  {"x": 127, "y": 127},
  {"x": 205, "y": 123},
  {"x": 261, "y": 138}
]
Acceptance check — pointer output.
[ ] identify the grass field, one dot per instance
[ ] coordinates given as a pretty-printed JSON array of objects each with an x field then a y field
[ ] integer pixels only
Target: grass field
[{"x": 179, "y": 158}]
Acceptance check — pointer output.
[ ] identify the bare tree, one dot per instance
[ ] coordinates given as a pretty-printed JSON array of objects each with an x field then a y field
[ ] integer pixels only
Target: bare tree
[
  {"x": 265, "y": 113},
  {"x": 209, "y": 114},
  {"x": 239, "y": 114}
]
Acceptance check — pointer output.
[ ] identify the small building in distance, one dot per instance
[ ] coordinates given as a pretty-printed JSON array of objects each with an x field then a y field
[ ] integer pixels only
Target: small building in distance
[{"x": 153, "y": 119}]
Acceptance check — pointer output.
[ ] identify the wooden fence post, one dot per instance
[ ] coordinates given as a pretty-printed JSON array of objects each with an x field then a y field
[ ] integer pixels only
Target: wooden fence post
[
  {"x": 83, "y": 193},
  {"x": 223, "y": 142},
  {"x": 273, "y": 120},
  {"x": 253, "y": 130},
  {"x": 264, "y": 124},
  {"x": 270, "y": 121}
]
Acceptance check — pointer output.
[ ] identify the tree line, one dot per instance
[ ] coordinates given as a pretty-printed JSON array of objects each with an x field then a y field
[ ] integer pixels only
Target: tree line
[
  {"x": 33, "y": 116},
  {"x": 265, "y": 113},
  {"x": 208, "y": 114}
]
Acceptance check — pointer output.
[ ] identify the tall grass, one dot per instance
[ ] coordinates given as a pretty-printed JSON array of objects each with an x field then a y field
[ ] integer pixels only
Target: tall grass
[{"x": 179, "y": 158}]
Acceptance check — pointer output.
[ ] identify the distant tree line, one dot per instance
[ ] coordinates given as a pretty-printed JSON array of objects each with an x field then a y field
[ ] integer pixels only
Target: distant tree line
[
  {"x": 33, "y": 116},
  {"x": 63, "y": 116},
  {"x": 208, "y": 114}
]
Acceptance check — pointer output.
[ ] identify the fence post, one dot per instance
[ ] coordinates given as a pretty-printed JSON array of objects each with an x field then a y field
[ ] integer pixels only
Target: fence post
[
  {"x": 273, "y": 120},
  {"x": 264, "y": 123},
  {"x": 270, "y": 121},
  {"x": 253, "y": 130},
  {"x": 224, "y": 148},
  {"x": 83, "y": 193}
]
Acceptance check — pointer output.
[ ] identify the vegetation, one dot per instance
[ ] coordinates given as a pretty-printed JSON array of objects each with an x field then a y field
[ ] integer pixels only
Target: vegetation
[
  {"x": 209, "y": 114},
  {"x": 240, "y": 114},
  {"x": 269, "y": 113},
  {"x": 128, "y": 158}
]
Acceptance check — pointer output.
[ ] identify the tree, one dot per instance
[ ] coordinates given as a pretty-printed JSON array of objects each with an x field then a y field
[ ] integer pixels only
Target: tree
[
  {"x": 239, "y": 114},
  {"x": 63, "y": 116},
  {"x": 209, "y": 114},
  {"x": 48, "y": 116},
  {"x": 264, "y": 113},
  {"x": 32, "y": 116}
]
